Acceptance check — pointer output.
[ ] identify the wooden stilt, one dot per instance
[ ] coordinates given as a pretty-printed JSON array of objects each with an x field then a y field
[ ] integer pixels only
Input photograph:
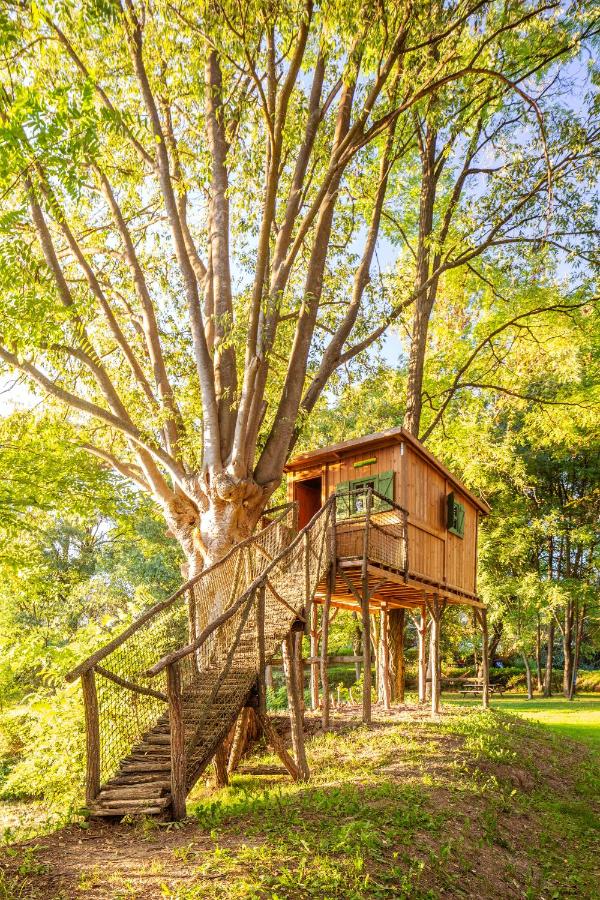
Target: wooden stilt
[
  {"x": 274, "y": 740},
  {"x": 366, "y": 617},
  {"x": 238, "y": 745},
  {"x": 295, "y": 709},
  {"x": 220, "y": 765},
  {"x": 396, "y": 622},
  {"x": 422, "y": 634},
  {"x": 314, "y": 652},
  {"x": 92, "y": 735},
  {"x": 385, "y": 658},
  {"x": 298, "y": 666},
  {"x": 485, "y": 669},
  {"x": 435, "y": 656},
  {"x": 324, "y": 650}
]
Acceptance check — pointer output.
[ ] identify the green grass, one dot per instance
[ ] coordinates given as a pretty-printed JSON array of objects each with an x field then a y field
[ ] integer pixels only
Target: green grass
[
  {"x": 475, "y": 804},
  {"x": 578, "y": 719}
]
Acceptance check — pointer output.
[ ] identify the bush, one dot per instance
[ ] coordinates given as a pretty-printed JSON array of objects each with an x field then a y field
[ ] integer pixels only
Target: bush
[{"x": 588, "y": 681}]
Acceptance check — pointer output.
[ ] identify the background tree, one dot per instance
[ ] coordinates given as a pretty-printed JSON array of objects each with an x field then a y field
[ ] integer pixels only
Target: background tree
[{"x": 184, "y": 188}]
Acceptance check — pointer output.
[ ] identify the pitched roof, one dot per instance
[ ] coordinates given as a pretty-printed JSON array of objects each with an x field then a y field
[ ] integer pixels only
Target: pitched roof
[{"x": 380, "y": 439}]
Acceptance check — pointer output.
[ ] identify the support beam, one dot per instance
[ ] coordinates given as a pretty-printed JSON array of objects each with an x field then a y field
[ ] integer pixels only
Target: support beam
[
  {"x": 396, "y": 619},
  {"x": 422, "y": 635},
  {"x": 177, "y": 728},
  {"x": 324, "y": 642},
  {"x": 434, "y": 654},
  {"x": 366, "y": 616},
  {"x": 238, "y": 744},
  {"x": 314, "y": 653},
  {"x": 274, "y": 740},
  {"x": 298, "y": 666},
  {"x": 220, "y": 765},
  {"x": 295, "y": 710},
  {"x": 384, "y": 654}
]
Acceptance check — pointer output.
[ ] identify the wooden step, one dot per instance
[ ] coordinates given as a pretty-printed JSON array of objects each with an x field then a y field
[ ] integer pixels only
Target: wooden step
[{"x": 134, "y": 803}]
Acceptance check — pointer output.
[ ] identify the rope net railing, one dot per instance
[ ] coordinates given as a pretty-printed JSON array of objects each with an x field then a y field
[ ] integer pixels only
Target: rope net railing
[
  {"x": 130, "y": 702},
  {"x": 387, "y": 532},
  {"x": 217, "y": 670}
]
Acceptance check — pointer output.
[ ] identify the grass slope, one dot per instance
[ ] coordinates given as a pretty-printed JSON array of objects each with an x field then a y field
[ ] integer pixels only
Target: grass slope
[
  {"x": 578, "y": 719},
  {"x": 480, "y": 805}
]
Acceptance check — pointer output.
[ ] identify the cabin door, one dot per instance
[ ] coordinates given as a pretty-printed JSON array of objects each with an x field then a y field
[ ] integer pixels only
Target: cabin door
[{"x": 307, "y": 495}]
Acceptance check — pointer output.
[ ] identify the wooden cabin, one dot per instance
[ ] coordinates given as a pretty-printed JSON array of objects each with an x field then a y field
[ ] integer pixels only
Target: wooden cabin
[
  {"x": 436, "y": 548},
  {"x": 405, "y": 533}
]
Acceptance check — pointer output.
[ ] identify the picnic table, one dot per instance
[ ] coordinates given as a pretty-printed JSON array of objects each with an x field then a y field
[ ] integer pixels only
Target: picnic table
[{"x": 475, "y": 686}]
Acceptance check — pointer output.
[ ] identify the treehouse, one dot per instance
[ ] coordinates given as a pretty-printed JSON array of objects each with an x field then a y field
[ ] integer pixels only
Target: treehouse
[
  {"x": 405, "y": 533},
  {"x": 377, "y": 525}
]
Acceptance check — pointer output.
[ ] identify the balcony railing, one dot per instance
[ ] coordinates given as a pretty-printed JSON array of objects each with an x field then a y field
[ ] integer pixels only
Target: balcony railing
[{"x": 370, "y": 525}]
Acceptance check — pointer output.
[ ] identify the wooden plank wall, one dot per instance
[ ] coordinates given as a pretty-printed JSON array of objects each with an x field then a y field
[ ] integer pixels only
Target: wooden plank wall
[{"x": 422, "y": 490}]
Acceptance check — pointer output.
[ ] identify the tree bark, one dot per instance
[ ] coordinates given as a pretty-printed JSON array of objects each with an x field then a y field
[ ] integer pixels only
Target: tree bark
[
  {"x": 549, "y": 656},
  {"x": 538, "y": 654},
  {"x": 568, "y": 649},
  {"x": 528, "y": 676}
]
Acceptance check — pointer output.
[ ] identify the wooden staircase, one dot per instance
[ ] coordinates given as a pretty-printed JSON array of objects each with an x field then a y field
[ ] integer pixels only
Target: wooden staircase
[
  {"x": 158, "y": 707},
  {"x": 142, "y": 785}
]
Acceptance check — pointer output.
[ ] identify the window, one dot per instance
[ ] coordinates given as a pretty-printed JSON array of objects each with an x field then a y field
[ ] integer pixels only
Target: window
[
  {"x": 456, "y": 516},
  {"x": 352, "y": 495}
]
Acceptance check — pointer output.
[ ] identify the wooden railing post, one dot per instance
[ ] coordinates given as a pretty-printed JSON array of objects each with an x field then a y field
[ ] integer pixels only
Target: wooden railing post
[
  {"x": 260, "y": 640},
  {"x": 178, "y": 756},
  {"x": 324, "y": 651},
  {"x": 366, "y": 616},
  {"x": 92, "y": 735}
]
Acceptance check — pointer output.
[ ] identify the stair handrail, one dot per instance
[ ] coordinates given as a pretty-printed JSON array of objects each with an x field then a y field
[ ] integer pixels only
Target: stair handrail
[
  {"x": 195, "y": 645},
  {"x": 112, "y": 645}
]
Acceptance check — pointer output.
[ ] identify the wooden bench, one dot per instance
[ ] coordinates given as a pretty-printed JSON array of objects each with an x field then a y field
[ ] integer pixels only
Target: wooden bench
[{"x": 477, "y": 688}]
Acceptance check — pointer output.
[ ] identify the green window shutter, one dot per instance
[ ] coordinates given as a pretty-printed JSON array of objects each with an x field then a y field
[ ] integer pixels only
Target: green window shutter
[
  {"x": 456, "y": 516},
  {"x": 385, "y": 486},
  {"x": 342, "y": 503},
  {"x": 451, "y": 523},
  {"x": 460, "y": 524}
]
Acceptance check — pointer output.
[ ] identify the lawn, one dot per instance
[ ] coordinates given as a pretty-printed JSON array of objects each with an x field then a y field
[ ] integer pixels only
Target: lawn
[
  {"x": 578, "y": 719},
  {"x": 474, "y": 804}
]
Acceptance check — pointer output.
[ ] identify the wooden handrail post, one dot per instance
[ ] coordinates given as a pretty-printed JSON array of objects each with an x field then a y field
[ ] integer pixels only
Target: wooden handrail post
[
  {"x": 307, "y": 592},
  {"x": 366, "y": 616},
  {"x": 178, "y": 756},
  {"x": 260, "y": 639},
  {"x": 92, "y": 735},
  {"x": 324, "y": 651}
]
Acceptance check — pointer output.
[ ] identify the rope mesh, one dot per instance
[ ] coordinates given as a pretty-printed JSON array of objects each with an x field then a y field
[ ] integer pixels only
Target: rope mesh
[
  {"x": 125, "y": 715},
  {"x": 216, "y": 677}
]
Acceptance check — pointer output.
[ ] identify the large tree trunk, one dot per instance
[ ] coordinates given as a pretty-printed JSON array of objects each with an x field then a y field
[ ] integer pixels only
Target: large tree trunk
[
  {"x": 425, "y": 296},
  {"x": 549, "y": 656},
  {"x": 224, "y": 516}
]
